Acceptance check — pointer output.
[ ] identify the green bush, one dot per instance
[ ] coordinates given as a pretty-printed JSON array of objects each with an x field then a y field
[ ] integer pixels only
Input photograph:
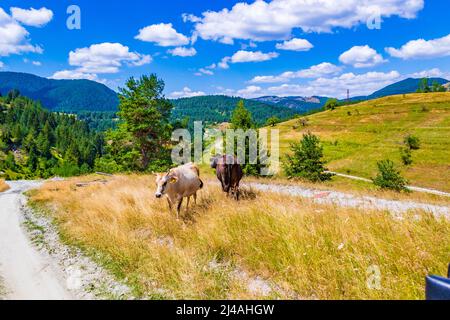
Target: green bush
[
  {"x": 389, "y": 177},
  {"x": 406, "y": 156},
  {"x": 412, "y": 142},
  {"x": 307, "y": 160}
]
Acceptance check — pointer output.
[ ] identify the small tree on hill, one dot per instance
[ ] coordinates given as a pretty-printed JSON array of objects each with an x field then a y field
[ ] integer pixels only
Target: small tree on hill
[
  {"x": 406, "y": 156},
  {"x": 412, "y": 142},
  {"x": 331, "y": 104},
  {"x": 272, "y": 121},
  {"x": 306, "y": 160},
  {"x": 241, "y": 118},
  {"x": 423, "y": 86},
  {"x": 389, "y": 177}
]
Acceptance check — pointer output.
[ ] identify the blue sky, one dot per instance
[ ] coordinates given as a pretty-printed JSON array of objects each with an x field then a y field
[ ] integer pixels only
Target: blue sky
[{"x": 278, "y": 47}]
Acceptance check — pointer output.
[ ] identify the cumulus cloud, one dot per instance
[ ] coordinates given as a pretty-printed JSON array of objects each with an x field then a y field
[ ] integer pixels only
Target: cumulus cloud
[
  {"x": 183, "y": 52},
  {"x": 431, "y": 73},
  {"x": 274, "y": 20},
  {"x": 420, "y": 48},
  {"x": 186, "y": 93},
  {"x": 358, "y": 84},
  {"x": 102, "y": 58},
  {"x": 14, "y": 38},
  {"x": 252, "y": 56},
  {"x": 361, "y": 57},
  {"x": 105, "y": 58},
  {"x": 163, "y": 35},
  {"x": 295, "y": 45},
  {"x": 74, "y": 75},
  {"x": 316, "y": 71},
  {"x": 32, "y": 17}
]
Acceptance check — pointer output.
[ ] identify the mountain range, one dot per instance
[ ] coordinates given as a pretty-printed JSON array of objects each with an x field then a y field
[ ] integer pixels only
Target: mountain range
[
  {"x": 84, "y": 95},
  {"x": 61, "y": 95}
]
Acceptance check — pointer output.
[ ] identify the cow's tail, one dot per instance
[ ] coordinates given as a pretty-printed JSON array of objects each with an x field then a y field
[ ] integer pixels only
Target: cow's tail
[{"x": 201, "y": 184}]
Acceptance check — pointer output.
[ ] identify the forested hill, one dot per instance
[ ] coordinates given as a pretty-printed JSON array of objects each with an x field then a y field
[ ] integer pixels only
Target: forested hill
[
  {"x": 61, "y": 95},
  {"x": 37, "y": 143},
  {"x": 216, "y": 109}
]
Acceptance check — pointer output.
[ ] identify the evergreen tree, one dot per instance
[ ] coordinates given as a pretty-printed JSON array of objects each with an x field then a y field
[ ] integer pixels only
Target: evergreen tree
[
  {"x": 306, "y": 160},
  {"x": 146, "y": 115}
]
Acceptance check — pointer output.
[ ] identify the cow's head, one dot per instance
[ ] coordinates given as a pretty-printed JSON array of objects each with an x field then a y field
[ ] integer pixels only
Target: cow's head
[
  {"x": 162, "y": 182},
  {"x": 214, "y": 160}
]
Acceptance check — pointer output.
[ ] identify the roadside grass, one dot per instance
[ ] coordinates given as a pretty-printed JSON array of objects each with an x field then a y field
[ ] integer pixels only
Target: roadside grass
[
  {"x": 3, "y": 186},
  {"x": 356, "y": 137},
  {"x": 227, "y": 250}
]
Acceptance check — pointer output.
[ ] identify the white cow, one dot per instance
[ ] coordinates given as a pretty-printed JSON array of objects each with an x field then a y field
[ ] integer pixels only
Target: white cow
[{"x": 180, "y": 182}]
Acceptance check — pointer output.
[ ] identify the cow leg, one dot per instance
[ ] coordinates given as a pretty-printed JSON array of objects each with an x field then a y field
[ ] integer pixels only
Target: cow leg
[
  {"x": 180, "y": 201},
  {"x": 170, "y": 204},
  {"x": 187, "y": 205},
  {"x": 195, "y": 198}
]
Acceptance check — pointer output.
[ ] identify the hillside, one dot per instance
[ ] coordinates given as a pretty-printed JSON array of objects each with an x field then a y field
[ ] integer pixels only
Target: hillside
[
  {"x": 355, "y": 137},
  {"x": 61, "y": 95},
  {"x": 409, "y": 85},
  {"x": 214, "y": 109},
  {"x": 300, "y": 104}
]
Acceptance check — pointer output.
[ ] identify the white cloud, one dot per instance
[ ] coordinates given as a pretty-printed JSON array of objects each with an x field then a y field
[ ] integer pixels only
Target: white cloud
[
  {"x": 163, "y": 35},
  {"x": 32, "y": 17},
  {"x": 14, "y": 38},
  {"x": 252, "y": 56},
  {"x": 361, "y": 57},
  {"x": 316, "y": 71},
  {"x": 295, "y": 45},
  {"x": 204, "y": 71},
  {"x": 1, "y": 65},
  {"x": 358, "y": 84},
  {"x": 186, "y": 93},
  {"x": 74, "y": 75},
  {"x": 36, "y": 63},
  {"x": 250, "y": 91},
  {"x": 274, "y": 20},
  {"x": 183, "y": 52},
  {"x": 431, "y": 73},
  {"x": 105, "y": 58},
  {"x": 420, "y": 48}
]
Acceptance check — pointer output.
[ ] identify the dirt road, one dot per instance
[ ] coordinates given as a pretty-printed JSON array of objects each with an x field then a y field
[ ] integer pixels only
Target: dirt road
[
  {"x": 26, "y": 273},
  {"x": 35, "y": 265}
]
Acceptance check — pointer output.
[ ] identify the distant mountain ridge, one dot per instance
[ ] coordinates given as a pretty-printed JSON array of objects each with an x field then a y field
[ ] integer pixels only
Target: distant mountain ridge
[
  {"x": 297, "y": 103},
  {"x": 61, "y": 95},
  {"x": 409, "y": 85}
]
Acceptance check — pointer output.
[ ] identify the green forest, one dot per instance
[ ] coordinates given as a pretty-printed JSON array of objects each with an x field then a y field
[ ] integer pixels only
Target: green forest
[
  {"x": 217, "y": 109},
  {"x": 35, "y": 142}
]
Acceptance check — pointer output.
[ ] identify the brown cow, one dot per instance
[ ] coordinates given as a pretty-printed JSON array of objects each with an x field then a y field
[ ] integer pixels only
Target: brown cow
[
  {"x": 229, "y": 172},
  {"x": 179, "y": 183}
]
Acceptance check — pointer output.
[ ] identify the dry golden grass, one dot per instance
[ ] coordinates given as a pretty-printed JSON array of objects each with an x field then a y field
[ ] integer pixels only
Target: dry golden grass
[
  {"x": 3, "y": 185},
  {"x": 302, "y": 249}
]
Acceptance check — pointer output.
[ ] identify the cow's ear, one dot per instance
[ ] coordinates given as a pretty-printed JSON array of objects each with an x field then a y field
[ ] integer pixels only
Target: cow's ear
[{"x": 173, "y": 179}]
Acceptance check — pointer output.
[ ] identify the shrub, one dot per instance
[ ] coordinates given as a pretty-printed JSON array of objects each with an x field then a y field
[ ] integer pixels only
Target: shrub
[
  {"x": 331, "y": 104},
  {"x": 306, "y": 161},
  {"x": 412, "y": 142},
  {"x": 406, "y": 156},
  {"x": 389, "y": 177}
]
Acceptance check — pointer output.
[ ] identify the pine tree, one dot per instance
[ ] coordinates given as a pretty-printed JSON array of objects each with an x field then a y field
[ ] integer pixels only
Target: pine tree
[{"x": 146, "y": 114}]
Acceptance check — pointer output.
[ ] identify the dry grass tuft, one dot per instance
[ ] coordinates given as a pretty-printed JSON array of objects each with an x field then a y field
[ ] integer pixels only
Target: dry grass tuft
[
  {"x": 3, "y": 185},
  {"x": 265, "y": 246}
]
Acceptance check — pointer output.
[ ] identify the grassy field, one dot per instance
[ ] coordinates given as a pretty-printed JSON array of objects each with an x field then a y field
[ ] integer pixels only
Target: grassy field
[
  {"x": 3, "y": 185},
  {"x": 266, "y": 246},
  {"x": 355, "y": 137}
]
